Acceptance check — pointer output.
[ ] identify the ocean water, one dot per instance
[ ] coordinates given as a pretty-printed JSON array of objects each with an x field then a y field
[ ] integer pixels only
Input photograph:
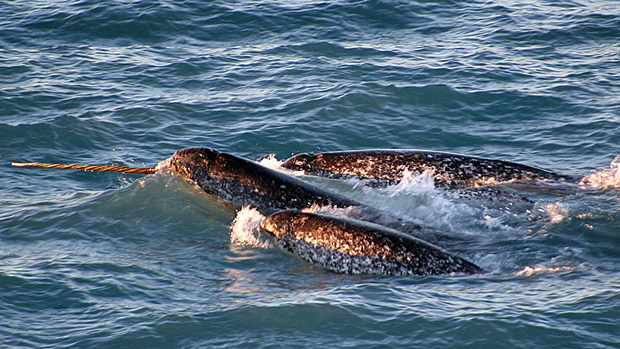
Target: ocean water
[{"x": 117, "y": 260}]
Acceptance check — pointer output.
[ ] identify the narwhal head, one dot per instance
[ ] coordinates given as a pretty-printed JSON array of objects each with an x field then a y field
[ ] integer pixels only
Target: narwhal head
[
  {"x": 192, "y": 163},
  {"x": 278, "y": 224}
]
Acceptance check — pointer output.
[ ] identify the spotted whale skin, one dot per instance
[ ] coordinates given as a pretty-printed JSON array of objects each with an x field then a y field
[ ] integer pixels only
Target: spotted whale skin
[
  {"x": 391, "y": 165},
  {"x": 353, "y": 247}
]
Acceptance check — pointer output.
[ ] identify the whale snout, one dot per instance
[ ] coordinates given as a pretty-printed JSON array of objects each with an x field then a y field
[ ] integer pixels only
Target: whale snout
[
  {"x": 269, "y": 225},
  {"x": 194, "y": 155},
  {"x": 279, "y": 222}
]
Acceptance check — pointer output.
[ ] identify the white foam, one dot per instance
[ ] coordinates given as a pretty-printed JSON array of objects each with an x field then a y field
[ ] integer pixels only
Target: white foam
[
  {"x": 544, "y": 270},
  {"x": 245, "y": 229},
  {"x": 415, "y": 198},
  {"x": 608, "y": 178},
  {"x": 491, "y": 222},
  {"x": 346, "y": 212},
  {"x": 556, "y": 212},
  {"x": 414, "y": 183},
  {"x": 272, "y": 162},
  {"x": 163, "y": 165}
]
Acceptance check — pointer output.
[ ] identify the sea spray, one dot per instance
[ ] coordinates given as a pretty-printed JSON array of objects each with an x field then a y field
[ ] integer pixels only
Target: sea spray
[
  {"x": 272, "y": 162},
  {"x": 245, "y": 229},
  {"x": 605, "y": 179},
  {"x": 545, "y": 270},
  {"x": 416, "y": 198}
]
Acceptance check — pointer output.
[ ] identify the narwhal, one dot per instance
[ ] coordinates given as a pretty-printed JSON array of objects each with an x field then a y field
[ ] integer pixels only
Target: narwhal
[
  {"x": 389, "y": 166},
  {"x": 354, "y": 247},
  {"x": 240, "y": 181}
]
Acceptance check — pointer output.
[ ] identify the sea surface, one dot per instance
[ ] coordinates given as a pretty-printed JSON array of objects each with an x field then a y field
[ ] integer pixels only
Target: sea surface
[{"x": 92, "y": 259}]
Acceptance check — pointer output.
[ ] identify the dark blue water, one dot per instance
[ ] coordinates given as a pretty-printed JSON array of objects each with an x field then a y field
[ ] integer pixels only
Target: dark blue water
[{"x": 117, "y": 260}]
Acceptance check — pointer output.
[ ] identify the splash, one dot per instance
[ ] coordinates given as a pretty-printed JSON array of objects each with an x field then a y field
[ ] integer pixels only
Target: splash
[
  {"x": 416, "y": 196},
  {"x": 245, "y": 229},
  {"x": 416, "y": 199},
  {"x": 556, "y": 212},
  {"x": 412, "y": 183},
  {"x": 491, "y": 222},
  {"x": 606, "y": 179},
  {"x": 163, "y": 165},
  {"x": 544, "y": 270},
  {"x": 273, "y": 163},
  {"x": 343, "y": 212}
]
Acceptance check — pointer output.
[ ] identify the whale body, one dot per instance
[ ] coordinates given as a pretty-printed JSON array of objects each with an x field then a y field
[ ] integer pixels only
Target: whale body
[
  {"x": 390, "y": 166},
  {"x": 353, "y": 247}
]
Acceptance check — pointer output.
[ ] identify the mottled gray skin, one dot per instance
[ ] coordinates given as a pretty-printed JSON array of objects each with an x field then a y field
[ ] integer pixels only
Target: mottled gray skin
[
  {"x": 390, "y": 165},
  {"x": 347, "y": 246},
  {"x": 243, "y": 182}
]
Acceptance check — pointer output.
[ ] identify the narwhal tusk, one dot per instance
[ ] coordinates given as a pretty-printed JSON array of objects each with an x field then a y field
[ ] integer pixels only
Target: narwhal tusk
[{"x": 123, "y": 169}]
